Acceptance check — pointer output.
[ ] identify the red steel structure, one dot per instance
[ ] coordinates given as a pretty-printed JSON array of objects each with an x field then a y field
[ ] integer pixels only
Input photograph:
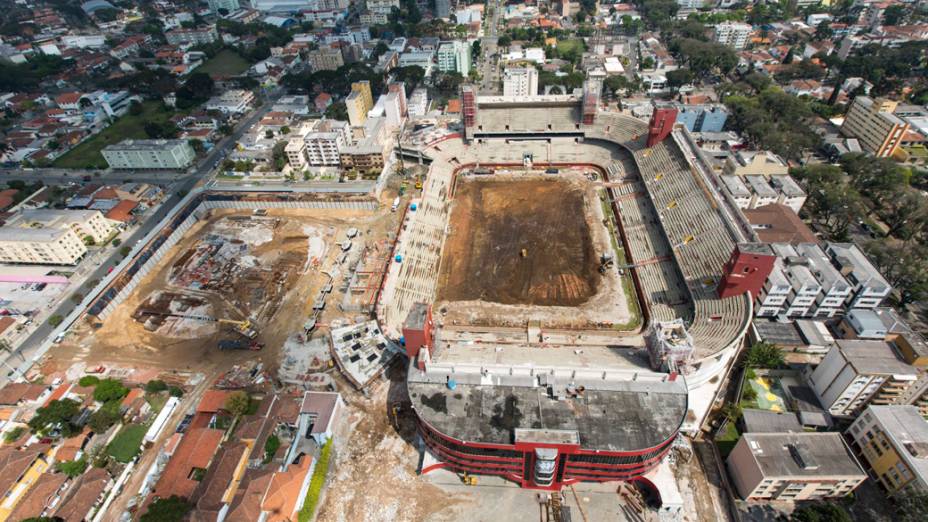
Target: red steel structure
[
  {"x": 524, "y": 461},
  {"x": 746, "y": 270},
  {"x": 662, "y": 120}
]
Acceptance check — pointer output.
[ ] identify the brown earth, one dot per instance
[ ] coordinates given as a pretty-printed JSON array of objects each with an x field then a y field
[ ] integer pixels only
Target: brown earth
[{"x": 519, "y": 242}]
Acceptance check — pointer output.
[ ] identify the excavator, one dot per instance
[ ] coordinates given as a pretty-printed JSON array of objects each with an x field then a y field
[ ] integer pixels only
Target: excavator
[{"x": 243, "y": 327}]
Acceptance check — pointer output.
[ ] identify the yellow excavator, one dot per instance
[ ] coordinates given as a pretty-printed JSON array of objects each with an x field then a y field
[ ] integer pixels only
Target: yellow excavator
[{"x": 243, "y": 327}]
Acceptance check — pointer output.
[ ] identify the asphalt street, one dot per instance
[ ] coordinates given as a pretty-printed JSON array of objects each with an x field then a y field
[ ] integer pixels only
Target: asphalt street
[{"x": 182, "y": 184}]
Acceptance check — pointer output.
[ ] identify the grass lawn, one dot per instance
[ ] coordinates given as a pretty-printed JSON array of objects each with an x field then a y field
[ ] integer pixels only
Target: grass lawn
[
  {"x": 726, "y": 440},
  {"x": 87, "y": 154},
  {"x": 315, "y": 484},
  {"x": 126, "y": 445},
  {"x": 226, "y": 63},
  {"x": 564, "y": 46}
]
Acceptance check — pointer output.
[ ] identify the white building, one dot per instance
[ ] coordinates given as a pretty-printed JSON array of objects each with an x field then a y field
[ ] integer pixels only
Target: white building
[
  {"x": 835, "y": 289},
  {"x": 192, "y": 36},
  {"x": 805, "y": 287},
  {"x": 305, "y": 6},
  {"x": 423, "y": 59},
  {"x": 84, "y": 223},
  {"x": 149, "y": 154},
  {"x": 418, "y": 102},
  {"x": 856, "y": 373},
  {"x": 234, "y": 101},
  {"x": 520, "y": 81},
  {"x": 384, "y": 7},
  {"x": 318, "y": 143},
  {"x": 732, "y": 34},
  {"x": 454, "y": 56},
  {"x": 870, "y": 287}
]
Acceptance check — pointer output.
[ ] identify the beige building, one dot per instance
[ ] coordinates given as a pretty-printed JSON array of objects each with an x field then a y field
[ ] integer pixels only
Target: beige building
[
  {"x": 40, "y": 246},
  {"x": 364, "y": 88},
  {"x": 893, "y": 441},
  {"x": 874, "y": 125},
  {"x": 325, "y": 58},
  {"x": 755, "y": 163},
  {"x": 793, "y": 466},
  {"x": 357, "y": 109},
  {"x": 84, "y": 223}
]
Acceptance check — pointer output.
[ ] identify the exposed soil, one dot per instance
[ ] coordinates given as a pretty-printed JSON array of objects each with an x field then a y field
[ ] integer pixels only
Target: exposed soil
[
  {"x": 269, "y": 270},
  {"x": 519, "y": 242}
]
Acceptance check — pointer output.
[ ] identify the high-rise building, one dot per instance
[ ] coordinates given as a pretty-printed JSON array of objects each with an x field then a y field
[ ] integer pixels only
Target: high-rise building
[
  {"x": 454, "y": 56},
  {"x": 732, "y": 34},
  {"x": 357, "y": 109},
  {"x": 400, "y": 89},
  {"x": 364, "y": 89},
  {"x": 874, "y": 125},
  {"x": 520, "y": 81}
]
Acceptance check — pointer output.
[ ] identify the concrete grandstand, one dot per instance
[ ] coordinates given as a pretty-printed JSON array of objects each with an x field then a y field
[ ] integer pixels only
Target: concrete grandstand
[{"x": 547, "y": 406}]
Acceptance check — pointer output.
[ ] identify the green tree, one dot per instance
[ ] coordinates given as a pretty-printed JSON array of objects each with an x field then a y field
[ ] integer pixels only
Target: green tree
[
  {"x": 270, "y": 448},
  {"x": 764, "y": 355},
  {"x": 238, "y": 403},
  {"x": 504, "y": 41},
  {"x": 821, "y": 512},
  {"x": 911, "y": 507},
  {"x": 105, "y": 417},
  {"x": 155, "y": 386},
  {"x": 894, "y": 14},
  {"x": 74, "y": 468},
  {"x": 55, "y": 320},
  {"x": 88, "y": 381},
  {"x": 57, "y": 415},
  {"x": 171, "y": 509},
  {"x": 678, "y": 78},
  {"x": 823, "y": 31},
  {"x": 109, "y": 390}
]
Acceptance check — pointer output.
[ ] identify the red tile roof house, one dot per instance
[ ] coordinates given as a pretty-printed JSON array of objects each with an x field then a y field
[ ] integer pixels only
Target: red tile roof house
[
  {"x": 190, "y": 461},
  {"x": 39, "y": 497},
  {"x": 14, "y": 463},
  {"x": 84, "y": 494}
]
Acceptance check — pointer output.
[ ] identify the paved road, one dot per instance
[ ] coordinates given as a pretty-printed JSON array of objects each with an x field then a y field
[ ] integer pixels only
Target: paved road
[
  {"x": 184, "y": 183},
  {"x": 489, "y": 65}
]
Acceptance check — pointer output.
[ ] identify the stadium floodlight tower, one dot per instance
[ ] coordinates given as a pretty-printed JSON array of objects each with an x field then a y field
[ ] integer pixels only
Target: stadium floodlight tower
[{"x": 670, "y": 346}]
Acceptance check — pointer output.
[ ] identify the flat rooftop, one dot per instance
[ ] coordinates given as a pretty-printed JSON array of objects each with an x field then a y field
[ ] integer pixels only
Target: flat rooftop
[
  {"x": 802, "y": 454},
  {"x": 633, "y": 416}
]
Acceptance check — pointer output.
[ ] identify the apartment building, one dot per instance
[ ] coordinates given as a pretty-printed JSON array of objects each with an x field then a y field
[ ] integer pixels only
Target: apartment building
[
  {"x": 870, "y": 287},
  {"x": 384, "y": 7},
  {"x": 44, "y": 246},
  {"x": 84, "y": 223},
  {"x": 325, "y": 58},
  {"x": 364, "y": 89},
  {"x": 357, "y": 109},
  {"x": 192, "y": 36},
  {"x": 703, "y": 117},
  {"x": 149, "y": 154},
  {"x": 520, "y": 81},
  {"x": 893, "y": 441},
  {"x": 367, "y": 155},
  {"x": 856, "y": 373},
  {"x": 873, "y": 123},
  {"x": 793, "y": 466},
  {"x": 454, "y": 56},
  {"x": 317, "y": 143},
  {"x": 732, "y": 34},
  {"x": 835, "y": 290},
  {"x": 51, "y": 237},
  {"x": 805, "y": 288},
  {"x": 233, "y": 101},
  {"x": 755, "y": 163},
  {"x": 442, "y": 8}
]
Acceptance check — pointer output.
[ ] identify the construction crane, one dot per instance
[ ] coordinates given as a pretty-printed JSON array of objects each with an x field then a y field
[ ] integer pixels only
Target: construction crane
[{"x": 243, "y": 327}]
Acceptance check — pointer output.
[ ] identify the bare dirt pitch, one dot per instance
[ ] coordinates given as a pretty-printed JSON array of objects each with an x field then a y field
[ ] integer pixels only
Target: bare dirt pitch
[
  {"x": 519, "y": 242},
  {"x": 526, "y": 247}
]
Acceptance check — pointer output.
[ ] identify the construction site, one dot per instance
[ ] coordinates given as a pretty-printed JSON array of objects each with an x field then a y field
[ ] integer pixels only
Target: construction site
[
  {"x": 529, "y": 246},
  {"x": 240, "y": 285}
]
